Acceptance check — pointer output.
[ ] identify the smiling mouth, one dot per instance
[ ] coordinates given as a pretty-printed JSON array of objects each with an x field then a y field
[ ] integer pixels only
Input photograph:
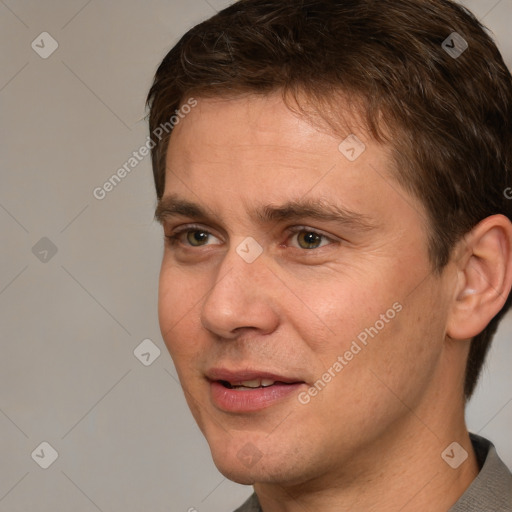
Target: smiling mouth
[
  {"x": 253, "y": 384},
  {"x": 249, "y": 391}
]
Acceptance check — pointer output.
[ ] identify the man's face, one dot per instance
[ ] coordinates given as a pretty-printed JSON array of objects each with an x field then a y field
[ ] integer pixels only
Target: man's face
[{"x": 290, "y": 263}]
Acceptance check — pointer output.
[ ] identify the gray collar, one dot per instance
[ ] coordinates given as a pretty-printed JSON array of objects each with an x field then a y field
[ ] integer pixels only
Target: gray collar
[{"x": 492, "y": 488}]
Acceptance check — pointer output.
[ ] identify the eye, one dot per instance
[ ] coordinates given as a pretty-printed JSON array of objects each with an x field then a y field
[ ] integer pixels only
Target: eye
[
  {"x": 193, "y": 237},
  {"x": 197, "y": 238},
  {"x": 308, "y": 239}
]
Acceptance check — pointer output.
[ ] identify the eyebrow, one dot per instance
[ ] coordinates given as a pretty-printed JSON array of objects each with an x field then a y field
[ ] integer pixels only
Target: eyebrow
[
  {"x": 318, "y": 209},
  {"x": 322, "y": 210},
  {"x": 173, "y": 206}
]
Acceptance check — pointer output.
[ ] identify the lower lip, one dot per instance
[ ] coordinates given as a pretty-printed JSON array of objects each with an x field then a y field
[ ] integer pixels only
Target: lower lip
[{"x": 250, "y": 400}]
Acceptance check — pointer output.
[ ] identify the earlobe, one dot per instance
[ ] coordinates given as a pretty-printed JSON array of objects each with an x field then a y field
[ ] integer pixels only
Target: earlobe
[{"x": 485, "y": 277}]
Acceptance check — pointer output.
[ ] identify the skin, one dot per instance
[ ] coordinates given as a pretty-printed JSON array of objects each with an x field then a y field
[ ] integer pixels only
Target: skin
[{"x": 372, "y": 438}]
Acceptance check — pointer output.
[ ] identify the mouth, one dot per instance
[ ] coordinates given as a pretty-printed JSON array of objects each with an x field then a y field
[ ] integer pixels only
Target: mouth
[
  {"x": 252, "y": 384},
  {"x": 248, "y": 390}
]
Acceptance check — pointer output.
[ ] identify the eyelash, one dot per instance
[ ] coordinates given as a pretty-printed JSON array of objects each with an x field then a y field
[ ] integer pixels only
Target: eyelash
[
  {"x": 174, "y": 238},
  {"x": 301, "y": 229}
]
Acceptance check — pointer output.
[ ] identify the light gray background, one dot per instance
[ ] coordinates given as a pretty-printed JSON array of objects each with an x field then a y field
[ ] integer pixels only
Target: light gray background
[{"x": 69, "y": 326}]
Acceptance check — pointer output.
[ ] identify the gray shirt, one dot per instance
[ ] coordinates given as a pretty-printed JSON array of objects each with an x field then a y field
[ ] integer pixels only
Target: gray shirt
[{"x": 490, "y": 491}]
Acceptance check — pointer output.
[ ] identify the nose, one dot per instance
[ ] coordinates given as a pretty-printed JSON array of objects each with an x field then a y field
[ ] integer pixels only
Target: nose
[{"x": 241, "y": 299}]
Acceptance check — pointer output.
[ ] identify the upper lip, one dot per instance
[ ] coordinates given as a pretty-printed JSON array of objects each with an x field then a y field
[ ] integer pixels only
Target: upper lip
[{"x": 234, "y": 376}]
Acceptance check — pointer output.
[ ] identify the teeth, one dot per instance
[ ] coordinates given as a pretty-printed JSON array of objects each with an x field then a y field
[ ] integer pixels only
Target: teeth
[{"x": 255, "y": 383}]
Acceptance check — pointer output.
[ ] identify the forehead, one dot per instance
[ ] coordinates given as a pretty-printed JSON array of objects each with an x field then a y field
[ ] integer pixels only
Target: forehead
[
  {"x": 252, "y": 134},
  {"x": 241, "y": 150},
  {"x": 270, "y": 122}
]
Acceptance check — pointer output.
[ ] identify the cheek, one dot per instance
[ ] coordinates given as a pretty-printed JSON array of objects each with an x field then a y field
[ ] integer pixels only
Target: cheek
[
  {"x": 405, "y": 355},
  {"x": 178, "y": 296},
  {"x": 344, "y": 308},
  {"x": 373, "y": 322}
]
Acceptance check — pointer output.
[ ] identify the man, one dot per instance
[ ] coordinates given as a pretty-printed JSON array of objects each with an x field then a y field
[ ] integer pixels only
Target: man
[{"x": 330, "y": 178}]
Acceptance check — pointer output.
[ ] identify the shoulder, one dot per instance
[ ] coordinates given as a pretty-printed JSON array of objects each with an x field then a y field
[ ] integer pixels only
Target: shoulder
[{"x": 492, "y": 488}]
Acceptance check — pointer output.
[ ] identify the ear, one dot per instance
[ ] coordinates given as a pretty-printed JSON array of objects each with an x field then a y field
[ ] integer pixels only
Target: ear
[{"x": 484, "y": 271}]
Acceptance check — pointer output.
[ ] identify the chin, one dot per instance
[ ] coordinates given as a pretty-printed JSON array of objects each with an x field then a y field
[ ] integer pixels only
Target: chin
[
  {"x": 239, "y": 475},
  {"x": 242, "y": 465},
  {"x": 239, "y": 461},
  {"x": 248, "y": 466}
]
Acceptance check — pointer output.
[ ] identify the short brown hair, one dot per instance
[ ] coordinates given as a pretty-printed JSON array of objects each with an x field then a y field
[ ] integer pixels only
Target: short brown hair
[{"x": 450, "y": 118}]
